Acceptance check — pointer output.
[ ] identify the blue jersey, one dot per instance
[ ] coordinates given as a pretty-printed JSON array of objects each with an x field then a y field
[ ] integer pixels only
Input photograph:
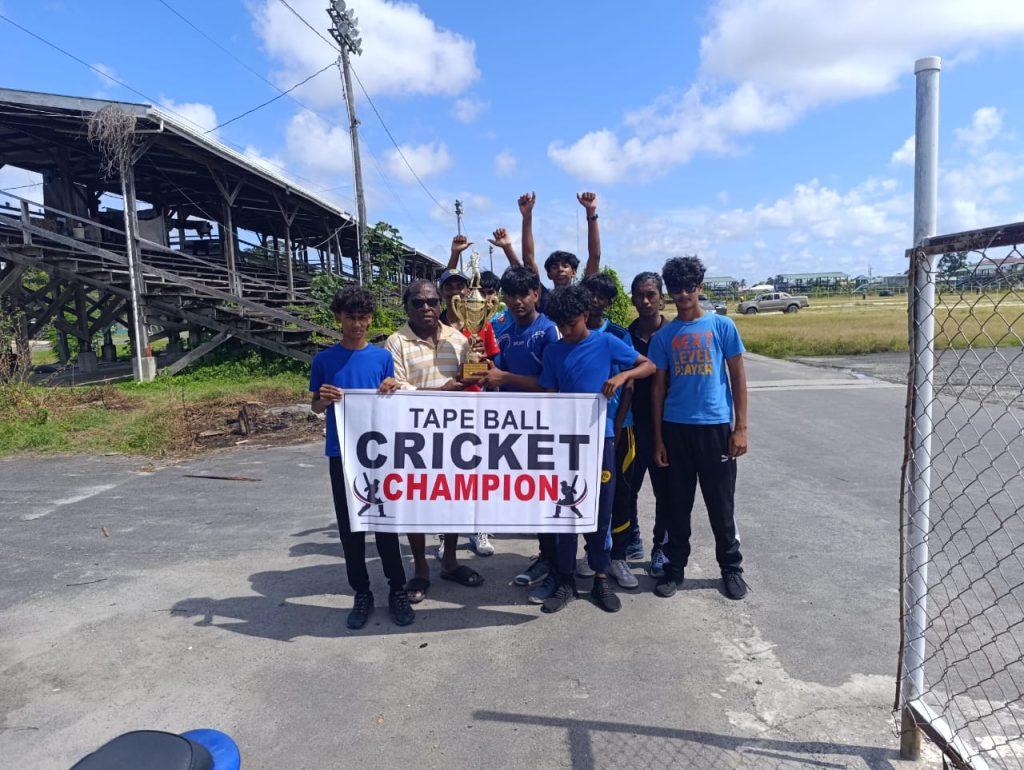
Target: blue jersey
[
  {"x": 585, "y": 366},
  {"x": 694, "y": 355},
  {"x": 522, "y": 347},
  {"x": 607, "y": 327},
  {"x": 366, "y": 368}
]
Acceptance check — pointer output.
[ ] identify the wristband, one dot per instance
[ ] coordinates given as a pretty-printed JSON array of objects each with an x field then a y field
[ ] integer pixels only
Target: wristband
[{"x": 592, "y": 218}]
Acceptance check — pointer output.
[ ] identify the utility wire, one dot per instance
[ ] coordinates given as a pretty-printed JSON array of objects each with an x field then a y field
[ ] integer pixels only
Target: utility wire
[
  {"x": 376, "y": 112},
  {"x": 135, "y": 91},
  {"x": 274, "y": 99}
]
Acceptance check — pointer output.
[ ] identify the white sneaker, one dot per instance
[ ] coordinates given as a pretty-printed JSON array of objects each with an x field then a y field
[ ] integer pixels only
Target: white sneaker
[
  {"x": 440, "y": 548},
  {"x": 620, "y": 572},
  {"x": 481, "y": 544},
  {"x": 583, "y": 568}
]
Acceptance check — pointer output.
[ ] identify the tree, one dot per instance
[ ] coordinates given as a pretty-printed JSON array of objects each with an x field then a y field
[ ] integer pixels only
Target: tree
[
  {"x": 952, "y": 263},
  {"x": 621, "y": 310}
]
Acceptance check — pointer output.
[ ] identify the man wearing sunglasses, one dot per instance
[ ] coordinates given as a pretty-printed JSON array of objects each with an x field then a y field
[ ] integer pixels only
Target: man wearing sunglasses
[{"x": 428, "y": 355}]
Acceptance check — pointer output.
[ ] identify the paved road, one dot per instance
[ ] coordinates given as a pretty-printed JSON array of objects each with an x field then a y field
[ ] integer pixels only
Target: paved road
[{"x": 132, "y": 599}]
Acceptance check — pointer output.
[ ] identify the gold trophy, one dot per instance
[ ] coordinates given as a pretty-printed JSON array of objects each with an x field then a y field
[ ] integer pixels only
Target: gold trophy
[{"x": 473, "y": 312}]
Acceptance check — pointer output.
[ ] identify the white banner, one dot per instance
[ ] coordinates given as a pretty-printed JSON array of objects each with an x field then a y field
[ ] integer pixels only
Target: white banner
[{"x": 435, "y": 462}]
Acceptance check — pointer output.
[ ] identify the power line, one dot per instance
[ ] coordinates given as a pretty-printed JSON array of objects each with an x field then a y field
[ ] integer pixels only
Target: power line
[
  {"x": 397, "y": 147},
  {"x": 376, "y": 112},
  {"x": 274, "y": 99},
  {"x": 135, "y": 91},
  {"x": 231, "y": 54}
]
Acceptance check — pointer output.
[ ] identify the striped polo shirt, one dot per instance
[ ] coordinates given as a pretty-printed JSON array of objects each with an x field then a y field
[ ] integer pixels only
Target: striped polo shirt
[{"x": 422, "y": 365}]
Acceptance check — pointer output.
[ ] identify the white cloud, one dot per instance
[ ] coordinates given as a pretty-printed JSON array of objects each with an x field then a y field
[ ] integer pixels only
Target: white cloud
[
  {"x": 427, "y": 160},
  {"x": 404, "y": 51},
  {"x": 904, "y": 156},
  {"x": 273, "y": 164},
  {"x": 315, "y": 145},
  {"x": 196, "y": 114},
  {"x": 505, "y": 163},
  {"x": 468, "y": 109},
  {"x": 766, "y": 63},
  {"x": 108, "y": 73},
  {"x": 985, "y": 126}
]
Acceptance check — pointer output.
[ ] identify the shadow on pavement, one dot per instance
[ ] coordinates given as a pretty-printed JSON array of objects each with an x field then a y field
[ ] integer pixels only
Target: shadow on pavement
[
  {"x": 274, "y": 612},
  {"x": 616, "y": 744}
]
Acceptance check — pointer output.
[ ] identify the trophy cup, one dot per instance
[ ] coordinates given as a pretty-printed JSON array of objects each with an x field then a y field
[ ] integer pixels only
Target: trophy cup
[{"x": 473, "y": 312}]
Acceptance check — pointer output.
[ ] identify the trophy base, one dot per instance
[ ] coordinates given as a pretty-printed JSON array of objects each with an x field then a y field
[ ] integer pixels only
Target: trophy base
[{"x": 473, "y": 370}]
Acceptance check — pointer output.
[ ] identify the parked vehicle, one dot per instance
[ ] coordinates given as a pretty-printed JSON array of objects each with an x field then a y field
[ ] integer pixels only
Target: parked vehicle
[
  {"x": 777, "y": 300},
  {"x": 712, "y": 305}
]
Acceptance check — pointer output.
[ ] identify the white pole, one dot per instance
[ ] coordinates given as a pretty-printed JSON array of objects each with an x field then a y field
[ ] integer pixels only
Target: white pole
[{"x": 926, "y": 174}]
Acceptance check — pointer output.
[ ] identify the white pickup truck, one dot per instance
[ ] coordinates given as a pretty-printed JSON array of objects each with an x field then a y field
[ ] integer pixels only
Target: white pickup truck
[{"x": 776, "y": 300}]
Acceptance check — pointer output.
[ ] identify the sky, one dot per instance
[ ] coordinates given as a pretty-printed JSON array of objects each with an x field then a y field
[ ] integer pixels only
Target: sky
[{"x": 766, "y": 136}]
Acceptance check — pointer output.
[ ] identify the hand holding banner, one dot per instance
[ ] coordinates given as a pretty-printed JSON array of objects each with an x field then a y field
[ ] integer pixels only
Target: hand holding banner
[{"x": 430, "y": 461}]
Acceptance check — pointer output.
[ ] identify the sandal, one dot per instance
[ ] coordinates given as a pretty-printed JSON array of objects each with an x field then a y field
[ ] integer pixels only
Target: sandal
[
  {"x": 464, "y": 576},
  {"x": 417, "y": 589}
]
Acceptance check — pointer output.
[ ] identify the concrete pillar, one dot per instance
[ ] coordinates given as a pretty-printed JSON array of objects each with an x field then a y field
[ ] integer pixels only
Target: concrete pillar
[{"x": 109, "y": 349}]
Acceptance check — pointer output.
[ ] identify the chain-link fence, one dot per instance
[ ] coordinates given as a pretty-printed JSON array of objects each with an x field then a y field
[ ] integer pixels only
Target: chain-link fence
[{"x": 962, "y": 668}]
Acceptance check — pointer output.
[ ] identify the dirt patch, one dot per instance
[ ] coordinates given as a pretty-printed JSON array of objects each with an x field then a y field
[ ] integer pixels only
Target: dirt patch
[{"x": 224, "y": 422}]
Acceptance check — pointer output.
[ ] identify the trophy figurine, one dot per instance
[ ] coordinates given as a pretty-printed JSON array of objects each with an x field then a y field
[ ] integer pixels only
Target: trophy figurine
[{"x": 473, "y": 311}]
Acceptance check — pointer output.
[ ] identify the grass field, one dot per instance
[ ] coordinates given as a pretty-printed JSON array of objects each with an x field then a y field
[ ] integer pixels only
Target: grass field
[
  {"x": 845, "y": 326},
  {"x": 154, "y": 419}
]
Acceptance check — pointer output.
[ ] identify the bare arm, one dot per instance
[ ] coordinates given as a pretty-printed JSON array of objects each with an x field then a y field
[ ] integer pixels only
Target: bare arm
[
  {"x": 503, "y": 241},
  {"x": 641, "y": 368},
  {"x": 324, "y": 398},
  {"x": 589, "y": 202},
  {"x": 658, "y": 388},
  {"x": 459, "y": 244},
  {"x": 738, "y": 384},
  {"x": 526, "y": 209}
]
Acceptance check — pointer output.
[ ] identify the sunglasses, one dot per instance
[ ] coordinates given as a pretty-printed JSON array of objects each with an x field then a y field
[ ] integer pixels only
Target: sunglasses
[
  {"x": 689, "y": 289},
  {"x": 420, "y": 302}
]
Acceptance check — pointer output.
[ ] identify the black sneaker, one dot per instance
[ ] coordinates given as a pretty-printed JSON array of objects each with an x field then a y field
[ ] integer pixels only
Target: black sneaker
[
  {"x": 669, "y": 583},
  {"x": 734, "y": 584},
  {"x": 603, "y": 595},
  {"x": 400, "y": 609},
  {"x": 564, "y": 594},
  {"x": 361, "y": 610}
]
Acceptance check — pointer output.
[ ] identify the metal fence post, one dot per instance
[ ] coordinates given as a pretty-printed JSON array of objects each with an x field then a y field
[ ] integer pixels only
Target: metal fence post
[{"x": 926, "y": 169}]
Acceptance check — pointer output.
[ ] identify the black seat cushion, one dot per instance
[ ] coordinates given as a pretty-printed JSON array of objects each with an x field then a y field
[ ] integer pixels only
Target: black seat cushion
[{"x": 148, "y": 750}]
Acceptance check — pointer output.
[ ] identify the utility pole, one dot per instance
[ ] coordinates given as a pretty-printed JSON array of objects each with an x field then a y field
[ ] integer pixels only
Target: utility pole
[
  {"x": 346, "y": 33},
  {"x": 458, "y": 226}
]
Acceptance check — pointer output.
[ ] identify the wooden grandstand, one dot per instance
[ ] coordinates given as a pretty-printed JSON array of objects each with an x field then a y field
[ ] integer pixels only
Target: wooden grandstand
[{"x": 223, "y": 246}]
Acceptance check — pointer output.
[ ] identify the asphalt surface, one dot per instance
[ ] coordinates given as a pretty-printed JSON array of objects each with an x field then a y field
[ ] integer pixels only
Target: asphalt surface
[{"x": 132, "y": 599}]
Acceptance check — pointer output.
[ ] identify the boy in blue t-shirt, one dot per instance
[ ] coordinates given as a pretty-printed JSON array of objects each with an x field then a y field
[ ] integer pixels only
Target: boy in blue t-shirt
[
  {"x": 354, "y": 364},
  {"x": 626, "y": 541},
  {"x": 517, "y": 369},
  {"x": 699, "y": 416},
  {"x": 587, "y": 362}
]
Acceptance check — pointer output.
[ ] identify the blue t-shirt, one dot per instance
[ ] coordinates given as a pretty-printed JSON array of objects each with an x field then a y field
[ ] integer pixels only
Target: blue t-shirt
[
  {"x": 607, "y": 327},
  {"x": 694, "y": 355},
  {"x": 585, "y": 366},
  {"x": 343, "y": 368},
  {"x": 522, "y": 347}
]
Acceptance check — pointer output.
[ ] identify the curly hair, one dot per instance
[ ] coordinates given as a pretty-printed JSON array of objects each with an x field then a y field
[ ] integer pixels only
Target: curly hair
[
  {"x": 644, "y": 277},
  {"x": 680, "y": 272},
  {"x": 489, "y": 280},
  {"x": 518, "y": 281},
  {"x": 601, "y": 285},
  {"x": 567, "y": 303},
  {"x": 561, "y": 258},
  {"x": 355, "y": 300}
]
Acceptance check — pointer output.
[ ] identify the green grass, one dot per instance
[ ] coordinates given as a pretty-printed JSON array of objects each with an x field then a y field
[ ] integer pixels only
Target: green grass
[
  {"x": 850, "y": 325},
  {"x": 151, "y": 419}
]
